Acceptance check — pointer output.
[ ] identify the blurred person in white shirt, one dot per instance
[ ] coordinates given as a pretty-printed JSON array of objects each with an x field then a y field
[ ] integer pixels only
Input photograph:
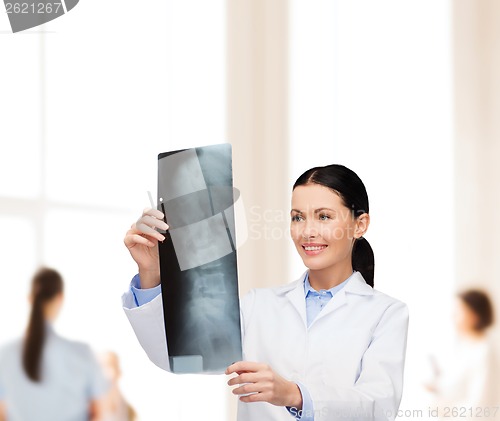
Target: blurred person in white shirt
[{"x": 464, "y": 384}]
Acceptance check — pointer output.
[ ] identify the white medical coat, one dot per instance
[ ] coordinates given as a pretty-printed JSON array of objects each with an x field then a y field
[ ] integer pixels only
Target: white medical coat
[{"x": 351, "y": 358}]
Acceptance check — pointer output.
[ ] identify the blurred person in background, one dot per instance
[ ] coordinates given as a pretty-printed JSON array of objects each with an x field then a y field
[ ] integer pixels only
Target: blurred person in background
[
  {"x": 43, "y": 376},
  {"x": 114, "y": 406},
  {"x": 464, "y": 386}
]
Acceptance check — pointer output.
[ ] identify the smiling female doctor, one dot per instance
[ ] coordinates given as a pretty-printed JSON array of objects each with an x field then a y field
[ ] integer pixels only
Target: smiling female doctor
[{"x": 325, "y": 347}]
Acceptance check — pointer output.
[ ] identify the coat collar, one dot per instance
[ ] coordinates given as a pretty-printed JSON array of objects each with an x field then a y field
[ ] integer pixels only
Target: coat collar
[
  {"x": 356, "y": 285},
  {"x": 295, "y": 293}
]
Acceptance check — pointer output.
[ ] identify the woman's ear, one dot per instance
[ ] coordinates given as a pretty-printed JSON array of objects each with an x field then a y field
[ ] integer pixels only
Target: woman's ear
[{"x": 362, "y": 224}]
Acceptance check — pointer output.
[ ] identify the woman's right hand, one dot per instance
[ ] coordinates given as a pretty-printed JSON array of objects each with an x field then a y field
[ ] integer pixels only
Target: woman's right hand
[{"x": 141, "y": 241}]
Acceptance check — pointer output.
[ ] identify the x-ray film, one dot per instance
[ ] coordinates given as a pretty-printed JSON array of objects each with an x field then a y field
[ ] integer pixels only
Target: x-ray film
[{"x": 198, "y": 259}]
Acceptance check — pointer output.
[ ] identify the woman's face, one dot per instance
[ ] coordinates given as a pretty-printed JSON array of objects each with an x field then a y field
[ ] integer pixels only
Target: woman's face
[
  {"x": 322, "y": 228},
  {"x": 465, "y": 318}
]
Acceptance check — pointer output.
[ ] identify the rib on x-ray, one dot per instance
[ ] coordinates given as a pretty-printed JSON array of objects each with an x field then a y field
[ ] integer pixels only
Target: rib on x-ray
[{"x": 198, "y": 259}]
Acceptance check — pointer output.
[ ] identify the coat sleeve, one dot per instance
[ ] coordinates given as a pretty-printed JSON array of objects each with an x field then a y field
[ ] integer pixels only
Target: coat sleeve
[
  {"x": 247, "y": 303},
  {"x": 377, "y": 393},
  {"x": 149, "y": 327}
]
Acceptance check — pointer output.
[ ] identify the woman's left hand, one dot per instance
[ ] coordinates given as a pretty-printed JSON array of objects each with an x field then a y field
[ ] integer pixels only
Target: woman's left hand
[{"x": 263, "y": 384}]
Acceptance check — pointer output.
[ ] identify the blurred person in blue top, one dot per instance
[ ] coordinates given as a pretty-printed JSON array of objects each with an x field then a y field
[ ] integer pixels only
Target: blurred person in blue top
[{"x": 43, "y": 376}]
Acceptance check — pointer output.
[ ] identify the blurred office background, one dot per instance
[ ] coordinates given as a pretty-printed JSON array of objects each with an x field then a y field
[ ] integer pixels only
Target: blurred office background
[{"x": 406, "y": 93}]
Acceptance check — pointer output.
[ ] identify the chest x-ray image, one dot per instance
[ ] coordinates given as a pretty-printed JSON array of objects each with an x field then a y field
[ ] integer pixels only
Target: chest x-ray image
[{"x": 198, "y": 263}]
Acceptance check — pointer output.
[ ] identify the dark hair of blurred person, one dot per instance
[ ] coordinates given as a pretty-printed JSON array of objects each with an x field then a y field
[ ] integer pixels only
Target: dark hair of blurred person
[
  {"x": 479, "y": 309},
  {"x": 46, "y": 300}
]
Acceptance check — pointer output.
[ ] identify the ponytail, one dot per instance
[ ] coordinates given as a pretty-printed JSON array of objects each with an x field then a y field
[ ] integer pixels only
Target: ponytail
[
  {"x": 35, "y": 339},
  {"x": 46, "y": 285},
  {"x": 363, "y": 260}
]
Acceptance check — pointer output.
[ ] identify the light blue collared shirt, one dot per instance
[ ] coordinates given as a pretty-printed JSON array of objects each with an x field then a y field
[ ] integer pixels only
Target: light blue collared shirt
[{"x": 315, "y": 302}]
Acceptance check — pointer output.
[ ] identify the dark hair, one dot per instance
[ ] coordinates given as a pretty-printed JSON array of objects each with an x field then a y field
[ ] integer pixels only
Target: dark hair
[
  {"x": 352, "y": 191},
  {"x": 479, "y": 302},
  {"x": 46, "y": 285}
]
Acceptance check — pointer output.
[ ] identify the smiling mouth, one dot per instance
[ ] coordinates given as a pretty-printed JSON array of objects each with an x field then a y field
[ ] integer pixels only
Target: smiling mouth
[{"x": 312, "y": 250}]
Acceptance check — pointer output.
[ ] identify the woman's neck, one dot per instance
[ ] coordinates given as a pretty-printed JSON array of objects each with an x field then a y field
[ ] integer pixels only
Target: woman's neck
[
  {"x": 473, "y": 336},
  {"x": 329, "y": 277}
]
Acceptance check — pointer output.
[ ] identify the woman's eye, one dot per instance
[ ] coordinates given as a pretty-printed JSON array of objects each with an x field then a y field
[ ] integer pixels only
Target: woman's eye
[
  {"x": 324, "y": 217},
  {"x": 296, "y": 218}
]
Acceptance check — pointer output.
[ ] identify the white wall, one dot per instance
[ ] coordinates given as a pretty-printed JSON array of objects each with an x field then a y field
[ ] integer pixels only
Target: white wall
[{"x": 370, "y": 88}]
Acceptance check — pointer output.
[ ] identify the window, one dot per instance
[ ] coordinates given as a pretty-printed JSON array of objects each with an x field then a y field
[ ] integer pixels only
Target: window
[{"x": 88, "y": 101}]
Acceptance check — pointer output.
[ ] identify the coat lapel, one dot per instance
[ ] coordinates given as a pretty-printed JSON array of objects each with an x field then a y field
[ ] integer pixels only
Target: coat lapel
[
  {"x": 295, "y": 293},
  {"x": 356, "y": 285},
  {"x": 296, "y": 296}
]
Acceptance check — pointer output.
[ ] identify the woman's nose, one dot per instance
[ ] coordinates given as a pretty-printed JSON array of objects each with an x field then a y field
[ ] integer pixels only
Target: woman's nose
[{"x": 309, "y": 230}]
